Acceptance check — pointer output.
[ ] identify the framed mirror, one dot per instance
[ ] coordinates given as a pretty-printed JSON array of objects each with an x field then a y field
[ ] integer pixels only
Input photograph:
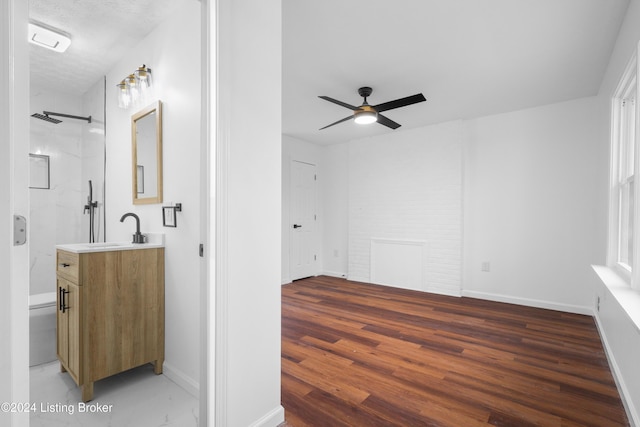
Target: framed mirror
[{"x": 146, "y": 143}]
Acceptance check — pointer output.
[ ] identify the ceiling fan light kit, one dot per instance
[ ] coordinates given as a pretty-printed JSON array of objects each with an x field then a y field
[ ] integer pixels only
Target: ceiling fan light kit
[{"x": 365, "y": 113}]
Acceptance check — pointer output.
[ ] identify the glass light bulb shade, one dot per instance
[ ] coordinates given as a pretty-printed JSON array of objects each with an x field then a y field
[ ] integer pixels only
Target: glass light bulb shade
[
  {"x": 366, "y": 117},
  {"x": 134, "y": 90},
  {"x": 124, "y": 95},
  {"x": 143, "y": 77}
]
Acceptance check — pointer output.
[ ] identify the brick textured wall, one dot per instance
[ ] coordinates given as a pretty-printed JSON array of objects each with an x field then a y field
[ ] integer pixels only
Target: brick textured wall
[{"x": 408, "y": 185}]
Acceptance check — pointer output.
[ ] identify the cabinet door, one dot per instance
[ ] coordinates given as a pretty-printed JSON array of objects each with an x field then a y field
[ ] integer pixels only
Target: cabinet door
[
  {"x": 62, "y": 324},
  {"x": 74, "y": 304},
  {"x": 69, "y": 306}
]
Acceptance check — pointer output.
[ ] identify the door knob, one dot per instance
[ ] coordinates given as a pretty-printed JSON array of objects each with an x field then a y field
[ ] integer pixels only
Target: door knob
[{"x": 296, "y": 226}]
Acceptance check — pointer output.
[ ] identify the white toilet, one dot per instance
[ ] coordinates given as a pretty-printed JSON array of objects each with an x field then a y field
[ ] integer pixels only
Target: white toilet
[{"x": 42, "y": 328}]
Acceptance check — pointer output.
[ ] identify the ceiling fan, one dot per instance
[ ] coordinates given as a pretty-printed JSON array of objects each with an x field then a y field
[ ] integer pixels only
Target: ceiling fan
[{"x": 371, "y": 113}]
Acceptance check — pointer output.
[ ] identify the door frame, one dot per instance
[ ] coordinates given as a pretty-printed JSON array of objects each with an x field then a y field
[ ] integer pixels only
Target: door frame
[{"x": 14, "y": 260}]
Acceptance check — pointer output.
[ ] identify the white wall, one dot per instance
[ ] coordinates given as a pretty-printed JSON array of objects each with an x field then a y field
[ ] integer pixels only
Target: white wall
[
  {"x": 334, "y": 205},
  {"x": 56, "y": 213},
  {"x": 93, "y": 153},
  {"x": 533, "y": 218},
  {"x": 529, "y": 205},
  {"x": 407, "y": 186},
  {"x": 249, "y": 179},
  {"x": 172, "y": 51},
  {"x": 620, "y": 334}
]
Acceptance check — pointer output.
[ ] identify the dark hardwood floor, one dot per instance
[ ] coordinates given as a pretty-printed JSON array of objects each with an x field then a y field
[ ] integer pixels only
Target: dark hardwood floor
[{"x": 356, "y": 354}]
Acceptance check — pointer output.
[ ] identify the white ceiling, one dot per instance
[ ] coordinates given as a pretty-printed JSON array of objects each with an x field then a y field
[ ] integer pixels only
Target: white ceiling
[
  {"x": 470, "y": 58},
  {"x": 100, "y": 30}
]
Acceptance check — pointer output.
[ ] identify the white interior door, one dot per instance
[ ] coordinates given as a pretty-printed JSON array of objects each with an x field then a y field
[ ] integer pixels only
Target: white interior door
[{"x": 302, "y": 217}]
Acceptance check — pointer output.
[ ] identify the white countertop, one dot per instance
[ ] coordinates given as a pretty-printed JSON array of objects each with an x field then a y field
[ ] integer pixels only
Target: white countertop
[{"x": 155, "y": 240}]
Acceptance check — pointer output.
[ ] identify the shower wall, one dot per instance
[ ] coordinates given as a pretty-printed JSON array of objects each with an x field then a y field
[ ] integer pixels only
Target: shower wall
[
  {"x": 93, "y": 156},
  {"x": 76, "y": 154}
]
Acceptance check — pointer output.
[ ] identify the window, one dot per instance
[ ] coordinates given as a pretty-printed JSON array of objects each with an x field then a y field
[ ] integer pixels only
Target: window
[
  {"x": 626, "y": 165},
  {"x": 622, "y": 250}
]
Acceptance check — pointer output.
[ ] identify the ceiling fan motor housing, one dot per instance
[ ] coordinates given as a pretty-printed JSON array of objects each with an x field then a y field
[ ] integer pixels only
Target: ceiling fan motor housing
[{"x": 365, "y": 91}]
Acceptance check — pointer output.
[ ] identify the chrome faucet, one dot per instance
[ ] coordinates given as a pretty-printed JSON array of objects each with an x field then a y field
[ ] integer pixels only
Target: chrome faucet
[{"x": 137, "y": 237}]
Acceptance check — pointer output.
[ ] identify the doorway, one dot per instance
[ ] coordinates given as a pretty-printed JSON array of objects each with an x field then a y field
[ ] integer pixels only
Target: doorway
[{"x": 303, "y": 218}]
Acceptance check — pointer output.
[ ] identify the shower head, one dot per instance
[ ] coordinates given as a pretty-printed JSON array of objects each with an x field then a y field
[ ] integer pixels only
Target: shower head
[{"x": 46, "y": 118}]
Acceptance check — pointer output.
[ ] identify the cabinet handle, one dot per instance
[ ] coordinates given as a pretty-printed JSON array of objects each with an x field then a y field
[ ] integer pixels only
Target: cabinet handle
[
  {"x": 64, "y": 264},
  {"x": 63, "y": 300}
]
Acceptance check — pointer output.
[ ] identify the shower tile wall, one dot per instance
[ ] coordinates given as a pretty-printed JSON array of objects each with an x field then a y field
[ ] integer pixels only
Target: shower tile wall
[
  {"x": 56, "y": 214},
  {"x": 93, "y": 153}
]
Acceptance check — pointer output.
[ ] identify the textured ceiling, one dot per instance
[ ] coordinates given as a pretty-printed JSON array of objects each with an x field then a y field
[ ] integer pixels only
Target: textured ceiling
[
  {"x": 469, "y": 58},
  {"x": 100, "y": 30}
]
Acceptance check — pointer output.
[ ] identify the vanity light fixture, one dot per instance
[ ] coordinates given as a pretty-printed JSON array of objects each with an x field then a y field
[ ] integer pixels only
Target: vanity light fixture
[
  {"x": 135, "y": 88},
  {"x": 48, "y": 38}
]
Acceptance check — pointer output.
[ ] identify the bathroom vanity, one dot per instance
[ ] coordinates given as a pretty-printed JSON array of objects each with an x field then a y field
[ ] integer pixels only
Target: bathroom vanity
[{"x": 110, "y": 305}]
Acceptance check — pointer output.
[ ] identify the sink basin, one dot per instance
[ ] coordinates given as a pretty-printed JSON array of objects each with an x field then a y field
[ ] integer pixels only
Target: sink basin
[
  {"x": 105, "y": 245},
  {"x": 156, "y": 240}
]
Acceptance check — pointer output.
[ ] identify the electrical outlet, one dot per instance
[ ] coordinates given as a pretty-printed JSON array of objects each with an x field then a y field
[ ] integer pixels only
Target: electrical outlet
[{"x": 485, "y": 266}]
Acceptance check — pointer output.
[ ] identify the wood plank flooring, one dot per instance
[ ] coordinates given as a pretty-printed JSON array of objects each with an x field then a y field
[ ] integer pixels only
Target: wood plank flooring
[{"x": 356, "y": 354}]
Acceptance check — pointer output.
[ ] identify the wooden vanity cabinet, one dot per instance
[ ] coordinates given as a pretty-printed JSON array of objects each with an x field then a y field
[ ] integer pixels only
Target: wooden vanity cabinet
[{"x": 110, "y": 313}]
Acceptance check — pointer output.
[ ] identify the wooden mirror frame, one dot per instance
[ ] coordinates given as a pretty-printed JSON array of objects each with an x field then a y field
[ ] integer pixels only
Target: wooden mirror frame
[{"x": 156, "y": 108}]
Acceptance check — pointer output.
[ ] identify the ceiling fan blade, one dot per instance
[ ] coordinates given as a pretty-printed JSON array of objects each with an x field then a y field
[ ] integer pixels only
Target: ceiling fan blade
[
  {"x": 335, "y": 101},
  {"x": 387, "y": 122},
  {"x": 402, "y": 102},
  {"x": 339, "y": 121}
]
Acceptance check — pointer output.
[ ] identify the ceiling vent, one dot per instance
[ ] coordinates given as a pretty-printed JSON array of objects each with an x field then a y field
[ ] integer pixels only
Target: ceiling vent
[{"x": 48, "y": 38}]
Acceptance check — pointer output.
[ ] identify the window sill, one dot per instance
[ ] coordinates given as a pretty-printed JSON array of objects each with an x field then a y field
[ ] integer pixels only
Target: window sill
[{"x": 625, "y": 295}]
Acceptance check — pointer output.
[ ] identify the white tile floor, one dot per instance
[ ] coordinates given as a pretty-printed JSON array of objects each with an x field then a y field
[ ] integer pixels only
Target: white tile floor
[{"x": 136, "y": 398}]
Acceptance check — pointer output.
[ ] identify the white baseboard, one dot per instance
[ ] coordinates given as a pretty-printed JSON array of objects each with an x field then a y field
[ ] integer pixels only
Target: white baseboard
[
  {"x": 271, "y": 419},
  {"x": 359, "y": 279},
  {"x": 529, "y": 302},
  {"x": 632, "y": 413},
  {"x": 192, "y": 387},
  {"x": 334, "y": 274}
]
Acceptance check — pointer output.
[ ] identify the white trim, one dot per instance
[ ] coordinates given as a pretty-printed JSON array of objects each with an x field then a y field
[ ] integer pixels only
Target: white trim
[
  {"x": 627, "y": 402},
  {"x": 444, "y": 291},
  {"x": 207, "y": 391},
  {"x": 270, "y": 419},
  {"x": 529, "y": 302},
  {"x": 629, "y": 77},
  {"x": 359, "y": 279},
  {"x": 627, "y": 297},
  {"x": 342, "y": 275},
  {"x": 223, "y": 103},
  {"x": 14, "y": 130},
  {"x": 181, "y": 379}
]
